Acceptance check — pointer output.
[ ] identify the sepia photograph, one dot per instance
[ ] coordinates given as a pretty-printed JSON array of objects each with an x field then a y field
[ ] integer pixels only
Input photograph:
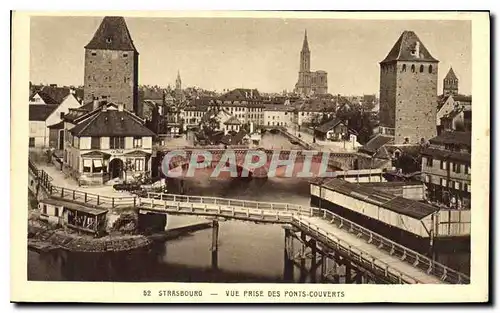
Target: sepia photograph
[{"x": 279, "y": 150}]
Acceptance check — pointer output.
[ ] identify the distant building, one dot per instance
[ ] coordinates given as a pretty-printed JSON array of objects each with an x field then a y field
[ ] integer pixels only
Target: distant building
[
  {"x": 446, "y": 170},
  {"x": 451, "y": 104},
  {"x": 47, "y": 107},
  {"x": 278, "y": 115},
  {"x": 103, "y": 143},
  {"x": 408, "y": 91},
  {"x": 450, "y": 83},
  {"x": 334, "y": 130},
  {"x": 245, "y": 104},
  {"x": 460, "y": 119},
  {"x": 310, "y": 82},
  {"x": 111, "y": 66},
  {"x": 179, "y": 95}
]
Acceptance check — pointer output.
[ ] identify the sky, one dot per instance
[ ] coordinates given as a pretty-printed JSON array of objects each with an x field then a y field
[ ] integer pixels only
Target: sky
[{"x": 221, "y": 53}]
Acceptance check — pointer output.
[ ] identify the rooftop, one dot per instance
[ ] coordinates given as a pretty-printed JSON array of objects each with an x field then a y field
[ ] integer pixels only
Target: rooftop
[
  {"x": 40, "y": 112},
  {"x": 74, "y": 206},
  {"x": 409, "y": 48},
  {"x": 112, "y": 34},
  {"x": 397, "y": 204},
  {"x": 111, "y": 121},
  {"x": 452, "y": 137},
  {"x": 374, "y": 144}
]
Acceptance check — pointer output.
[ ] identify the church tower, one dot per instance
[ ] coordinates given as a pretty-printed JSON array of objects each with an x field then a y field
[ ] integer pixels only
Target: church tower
[
  {"x": 304, "y": 82},
  {"x": 450, "y": 83},
  {"x": 178, "y": 87},
  {"x": 408, "y": 91},
  {"x": 111, "y": 65}
]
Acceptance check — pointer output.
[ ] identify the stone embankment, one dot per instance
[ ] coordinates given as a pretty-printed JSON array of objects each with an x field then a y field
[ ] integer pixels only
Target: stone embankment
[{"x": 45, "y": 238}]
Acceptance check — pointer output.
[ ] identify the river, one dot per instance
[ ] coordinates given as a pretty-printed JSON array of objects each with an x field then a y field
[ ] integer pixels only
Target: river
[{"x": 248, "y": 252}]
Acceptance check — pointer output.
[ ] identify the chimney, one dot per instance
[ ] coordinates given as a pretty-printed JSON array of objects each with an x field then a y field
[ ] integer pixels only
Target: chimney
[
  {"x": 96, "y": 103},
  {"x": 417, "y": 49},
  {"x": 120, "y": 107},
  {"x": 251, "y": 93},
  {"x": 72, "y": 91}
]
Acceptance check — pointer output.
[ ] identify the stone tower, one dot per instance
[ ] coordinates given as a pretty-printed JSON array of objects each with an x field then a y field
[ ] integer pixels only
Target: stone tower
[
  {"x": 450, "y": 83},
  {"x": 178, "y": 87},
  {"x": 111, "y": 65},
  {"x": 303, "y": 85},
  {"x": 408, "y": 91}
]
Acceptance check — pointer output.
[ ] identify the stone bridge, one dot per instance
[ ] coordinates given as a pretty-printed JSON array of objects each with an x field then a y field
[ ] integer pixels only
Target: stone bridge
[{"x": 259, "y": 162}]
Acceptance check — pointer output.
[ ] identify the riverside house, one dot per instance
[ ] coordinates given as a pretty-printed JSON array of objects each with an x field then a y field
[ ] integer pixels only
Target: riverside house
[{"x": 105, "y": 143}]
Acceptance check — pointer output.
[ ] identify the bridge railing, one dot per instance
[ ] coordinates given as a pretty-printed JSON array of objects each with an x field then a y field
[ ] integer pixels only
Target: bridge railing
[
  {"x": 93, "y": 199},
  {"x": 358, "y": 255},
  {"x": 232, "y": 202},
  {"x": 405, "y": 254}
]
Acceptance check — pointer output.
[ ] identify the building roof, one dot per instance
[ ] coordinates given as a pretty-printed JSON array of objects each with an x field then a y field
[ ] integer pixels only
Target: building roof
[
  {"x": 328, "y": 125},
  {"x": 462, "y": 98},
  {"x": 451, "y": 75},
  {"x": 111, "y": 122},
  {"x": 74, "y": 206},
  {"x": 40, "y": 112},
  {"x": 376, "y": 143},
  {"x": 447, "y": 154},
  {"x": 233, "y": 120},
  {"x": 53, "y": 94},
  {"x": 452, "y": 137},
  {"x": 405, "y": 49},
  {"x": 96, "y": 153},
  {"x": 137, "y": 153},
  {"x": 400, "y": 205},
  {"x": 112, "y": 34},
  {"x": 242, "y": 94},
  {"x": 59, "y": 125},
  {"x": 278, "y": 107}
]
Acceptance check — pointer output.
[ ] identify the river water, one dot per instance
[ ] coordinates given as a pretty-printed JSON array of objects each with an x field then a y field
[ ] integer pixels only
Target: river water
[{"x": 248, "y": 252}]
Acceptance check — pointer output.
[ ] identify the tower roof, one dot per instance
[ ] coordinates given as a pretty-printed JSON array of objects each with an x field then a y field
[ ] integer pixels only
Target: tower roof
[
  {"x": 178, "y": 76},
  {"x": 409, "y": 48},
  {"x": 112, "y": 34},
  {"x": 451, "y": 75},
  {"x": 305, "y": 44}
]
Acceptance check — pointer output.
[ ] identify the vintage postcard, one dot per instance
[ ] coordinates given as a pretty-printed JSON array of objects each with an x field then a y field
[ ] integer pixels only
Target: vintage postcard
[{"x": 183, "y": 157}]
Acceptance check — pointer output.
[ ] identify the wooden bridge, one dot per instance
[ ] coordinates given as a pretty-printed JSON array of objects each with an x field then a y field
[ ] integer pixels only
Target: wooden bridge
[{"x": 368, "y": 251}]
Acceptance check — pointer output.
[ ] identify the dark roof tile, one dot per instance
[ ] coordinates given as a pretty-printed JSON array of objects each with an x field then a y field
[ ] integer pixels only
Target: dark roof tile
[
  {"x": 40, "y": 112},
  {"x": 405, "y": 46},
  {"x": 112, "y": 34}
]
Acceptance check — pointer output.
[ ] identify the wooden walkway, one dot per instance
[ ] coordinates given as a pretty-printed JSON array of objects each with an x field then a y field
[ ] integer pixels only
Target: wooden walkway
[{"x": 378, "y": 254}]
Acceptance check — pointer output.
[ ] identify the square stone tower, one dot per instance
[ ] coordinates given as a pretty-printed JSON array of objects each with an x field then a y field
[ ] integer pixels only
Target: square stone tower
[
  {"x": 111, "y": 65},
  {"x": 408, "y": 91}
]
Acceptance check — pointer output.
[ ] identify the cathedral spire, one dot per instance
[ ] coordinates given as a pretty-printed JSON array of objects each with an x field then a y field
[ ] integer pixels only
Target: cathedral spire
[{"x": 305, "y": 45}]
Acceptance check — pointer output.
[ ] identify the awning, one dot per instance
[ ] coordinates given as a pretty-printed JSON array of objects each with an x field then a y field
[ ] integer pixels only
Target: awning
[
  {"x": 87, "y": 163},
  {"x": 97, "y": 163}
]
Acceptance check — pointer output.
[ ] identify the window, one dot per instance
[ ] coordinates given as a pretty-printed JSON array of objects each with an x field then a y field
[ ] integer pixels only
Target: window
[
  {"x": 458, "y": 185},
  {"x": 125, "y": 55},
  {"x": 137, "y": 142},
  {"x": 117, "y": 142},
  {"x": 44, "y": 209},
  {"x": 413, "y": 68},
  {"x": 97, "y": 166},
  {"x": 421, "y": 68},
  {"x": 87, "y": 165},
  {"x": 429, "y": 161},
  {"x": 466, "y": 187},
  {"x": 95, "y": 143},
  {"x": 32, "y": 141},
  {"x": 93, "y": 53},
  {"x": 456, "y": 167},
  {"x": 403, "y": 69},
  {"x": 443, "y": 165},
  {"x": 427, "y": 178},
  {"x": 443, "y": 182},
  {"x": 108, "y": 40},
  {"x": 430, "y": 69},
  {"x": 467, "y": 169}
]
